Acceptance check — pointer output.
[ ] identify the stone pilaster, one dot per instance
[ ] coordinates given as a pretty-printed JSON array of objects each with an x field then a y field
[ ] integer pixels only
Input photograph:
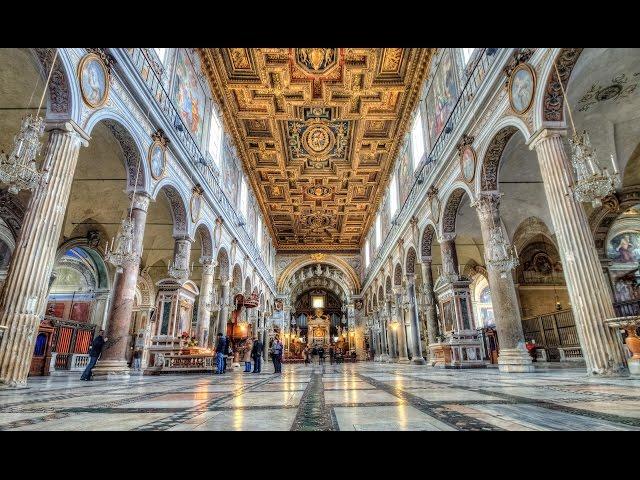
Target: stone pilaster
[
  {"x": 204, "y": 300},
  {"x": 431, "y": 314},
  {"x": 113, "y": 361},
  {"x": 25, "y": 289},
  {"x": 586, "y": 284},
  {"x": 513, "y": 357},
  {"x": 182, "y": 256},
  {"x": 416, "y": 348}
]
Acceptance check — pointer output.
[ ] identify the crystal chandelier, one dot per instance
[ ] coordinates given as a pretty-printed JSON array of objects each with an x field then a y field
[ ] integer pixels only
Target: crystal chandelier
[
  {"x": 123, "y": 255},
  {"x": 18, "y": 169},
  {"x": 501, "y": 256},
  {"x": 594, "y": 183}
]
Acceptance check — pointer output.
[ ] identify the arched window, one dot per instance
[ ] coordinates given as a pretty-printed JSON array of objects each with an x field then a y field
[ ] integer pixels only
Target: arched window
[
  {"x": 162, "y": 53},
  {"x": 243, "y": 198},
  {"x": 367, "y": 260},
  {"x": 378, "y": 231},
  {"x": 215, "y": 138},
  {"x": 466, "y": 54},
  {"x": 484, "y": 307},
  {"x": 393, "y": 193},
  {"x": 259, "y": 234},
  {"x": 417, "y": 139}
]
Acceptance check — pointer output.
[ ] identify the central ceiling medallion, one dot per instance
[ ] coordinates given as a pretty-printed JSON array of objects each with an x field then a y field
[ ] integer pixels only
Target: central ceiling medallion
[
  {"x": 316, "y": 60},
  {"x": 319, "y": 192},
  {"x": 318, "y": 221},
  {"x": 318, "y": 141}
]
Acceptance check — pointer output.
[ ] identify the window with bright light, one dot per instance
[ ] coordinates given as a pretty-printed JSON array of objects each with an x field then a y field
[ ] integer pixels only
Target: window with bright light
[
  {"x": 466, "y": 54},
  {"x": 259, "y": 234},
  {"x": 378, "y": 231},
  {"x": 417, "y": 140},
  {"x": 366, "y": 254},
  {"x": 393, "y": 193},
  {"x": 215, "y": 138},
  {"x": 243, "y": 198},
  {"x": 317, "y": 301},
  {"x": 162, "y": 52}
]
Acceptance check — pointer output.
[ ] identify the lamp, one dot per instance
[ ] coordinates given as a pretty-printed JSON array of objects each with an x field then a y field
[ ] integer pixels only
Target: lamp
[
  {"x": 594, "y": 183},
  {"x": 18, "y": 169}
]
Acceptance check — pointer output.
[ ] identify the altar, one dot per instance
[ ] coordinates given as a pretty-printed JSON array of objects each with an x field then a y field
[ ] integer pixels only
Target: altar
[{"x": 319, "y": 328}]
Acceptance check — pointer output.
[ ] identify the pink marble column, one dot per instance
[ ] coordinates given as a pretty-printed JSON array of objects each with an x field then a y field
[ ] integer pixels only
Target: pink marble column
[
  {"x": 24, "y": 296},
  {"x": 513, "y": 356},
  {"x": 427, "y": 281},
  {"x": 204, "y": 301},
  {"x": 113, "y": 362},
  {"x": 590, "y": 300}
]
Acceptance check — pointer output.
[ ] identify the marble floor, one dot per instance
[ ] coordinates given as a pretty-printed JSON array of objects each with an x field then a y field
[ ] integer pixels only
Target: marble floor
[{"x": 363, "y": 396}]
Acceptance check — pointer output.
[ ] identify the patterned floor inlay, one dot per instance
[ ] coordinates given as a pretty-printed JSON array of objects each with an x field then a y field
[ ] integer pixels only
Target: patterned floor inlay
[{"x": 361, "y": 397}]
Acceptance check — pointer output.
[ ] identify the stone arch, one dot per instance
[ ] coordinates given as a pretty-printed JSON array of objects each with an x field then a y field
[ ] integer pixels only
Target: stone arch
[
  {"x": 551, "y": 106},
  {"x": 206, "y": 239},
  {"x": 223, "y": 264},
  {"x": 602, "y": 218},
  {"x": 450, "y": 210},
  {"x": 397, "y": 275},
  {"x": 247, "y": 285},
  {"x": 380, "y": 296},
  {"x": 178, "y": 207},
  {"x": 134, "y": 152},
  {"x": 333, "y": 260},
  {"x": 410, "y": 261},
  {"x": 529, "y": 229},
  {"x": 236, "y": 277},
  {"x": 146, "y": 290},
  {"x": 64, "y": 94},
  {"x": 12, "y": 212},
  {"x": 428, "y": 234},
  {"x": 387, "y": 285},
  {"x": 374, "y": 302},
  {"x": 103, "y": 276},
  {"x": 491, "y": 160}
]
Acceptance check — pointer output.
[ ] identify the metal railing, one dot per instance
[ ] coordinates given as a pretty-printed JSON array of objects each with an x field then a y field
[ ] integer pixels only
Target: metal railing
[
  {"x": 555, "y": 332},
  {"x": 200, "y": 162},
  {"x": 476, "y": 75},
  {"x": 628, "y": 308}
]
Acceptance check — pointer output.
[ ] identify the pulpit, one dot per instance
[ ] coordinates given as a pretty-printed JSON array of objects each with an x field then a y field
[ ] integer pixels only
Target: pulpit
[{"x": 460, "y": 346}]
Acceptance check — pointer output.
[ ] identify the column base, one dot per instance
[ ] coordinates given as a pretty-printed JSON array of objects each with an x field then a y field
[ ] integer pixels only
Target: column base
[
  {"x": 404, "y": 360},
  {"x": 418, "y": 361},
  {"x": 514, "y": 360},
  {"x": 111, "y": 370}
]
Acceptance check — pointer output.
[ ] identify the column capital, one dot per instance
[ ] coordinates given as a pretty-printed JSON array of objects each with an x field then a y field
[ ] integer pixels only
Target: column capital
[
  {"x": 545, "y": 134},
  {"x": 140, "y": 201},
  {"x": 69, "y": 127},
  {"x": 446, "y": 237},
  {"x": 487, "y": 205}
]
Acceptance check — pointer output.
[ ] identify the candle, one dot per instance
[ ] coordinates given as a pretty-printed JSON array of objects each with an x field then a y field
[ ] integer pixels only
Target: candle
[
  {"x": 515, "y": 249},
  {"x": 613, "y": 162}
]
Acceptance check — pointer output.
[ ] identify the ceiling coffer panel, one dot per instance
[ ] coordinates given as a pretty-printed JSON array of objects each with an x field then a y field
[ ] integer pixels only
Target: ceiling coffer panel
[{"x": 318, "y": 130}]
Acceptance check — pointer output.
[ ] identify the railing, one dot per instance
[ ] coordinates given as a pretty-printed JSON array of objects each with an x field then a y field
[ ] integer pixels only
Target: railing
[
  {"x": 200, "y": 162},
  {"x": 556, "y": 333},
  {"x": 63, "y": 361},
  {"x": 627, "y": 309},
  {"x": 79, "y": 361},
  {"x": 476, "y": 74},
  {"x": 183, "y": 363}
]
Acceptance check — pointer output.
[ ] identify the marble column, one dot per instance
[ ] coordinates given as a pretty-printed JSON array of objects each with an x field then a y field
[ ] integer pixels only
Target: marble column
[
  {"x": 400, "y": 330},
  {"x": 24, "y": 296},
  {"x": 449, "y": 254},
  {"x": 181, "y": 257},
  {"x": 416, "y": 348},
  {"x": 590, "y": 300},
  {"x": 224, "y": 307},
  {"x": 430, "y": 311},
  {"x": 204, "y": 300},
  {"x": 513, "y": 357},
  {"x": 113, "y": 361}
]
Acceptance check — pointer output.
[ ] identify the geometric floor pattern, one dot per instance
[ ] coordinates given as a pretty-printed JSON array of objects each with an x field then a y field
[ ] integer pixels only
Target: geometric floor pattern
[{"x": 361, "y": 396}]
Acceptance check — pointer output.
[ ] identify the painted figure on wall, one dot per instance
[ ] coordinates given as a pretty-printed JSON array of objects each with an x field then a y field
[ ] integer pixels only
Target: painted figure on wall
[
  {"x": 189, "y": 95},
  {"x": 405, "y": 177},
  {"x": 93, "y": 81},
  {"x": 625, "y": 247},
  {"x": 442, "y": 96}
]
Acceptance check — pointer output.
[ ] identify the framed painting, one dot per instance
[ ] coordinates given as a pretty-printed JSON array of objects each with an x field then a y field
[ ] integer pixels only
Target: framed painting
[
  {"x": 195, "y": 205},
  {"x": 189, "y": 95},
  {"x": 468, "y": 163},
  {"x": 435, "y": 209},
  {"x": 522, "y": 85},
  {"x": 94, "y": 80},
  {"x": 442, "y": 95},
  {"x": 157, "y": 159}
]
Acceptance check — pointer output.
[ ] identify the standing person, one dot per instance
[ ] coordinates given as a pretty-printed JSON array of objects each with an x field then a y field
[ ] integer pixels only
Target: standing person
[
  {"x": 305, "y": 352},
  {"x": 321, "y": 355},
  {"x": 246, "y": 354},
  {"x": 256, "y": 353},
  {"x": 137, "y": 359},
  {"x": 94, "y": 353},
  {"x": 314, "y": 352},
  {"x": 276, "y": 354},
  {"x": 220, "y": 348}
]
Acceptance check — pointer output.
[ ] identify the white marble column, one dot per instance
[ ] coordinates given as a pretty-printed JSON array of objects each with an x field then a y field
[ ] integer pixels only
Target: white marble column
[
  {"x": 430, "y": 311},
  {"x": 224, "y": 307},
  {"x": 24, "y": 296},
  {"x": 416, "y": 348},
  {"x": 586, "y": 284},
  {"x": 513, "y": 357},
  {"x": 182, "y": 256},
  {"x": 204, "y": 300},
  {"x": 400, "y": 330},
  {"x": 113, "y": 361}
]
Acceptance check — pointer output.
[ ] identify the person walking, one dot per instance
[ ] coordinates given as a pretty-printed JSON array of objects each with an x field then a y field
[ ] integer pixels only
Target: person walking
[
  {"x": 246, "y": 354},
  {"x": 220, "y": 348},
  {"x": 256, "y": 353},
  {"x": 137, "y": 359},
  {"x": 305, "y": 352},
  {"x": 321, "y": 355},
  {"x": 94, "y": 353},
  {"x": 276, "y": 354}
]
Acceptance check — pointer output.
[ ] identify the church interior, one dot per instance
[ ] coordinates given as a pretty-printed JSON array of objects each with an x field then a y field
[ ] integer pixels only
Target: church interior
[{"x": 391, "y": 238}]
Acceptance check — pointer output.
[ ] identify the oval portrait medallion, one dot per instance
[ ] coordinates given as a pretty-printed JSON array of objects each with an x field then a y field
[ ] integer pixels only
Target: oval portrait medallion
[
  {"x": 94, "y": 80},
  {"x": 196, "y": 206},
  {"x": 468, "y": 163},
  {"x": 157, "y": 159},
  {"x": 522, "y": 86},
  {"x": 435, "y": 209}
]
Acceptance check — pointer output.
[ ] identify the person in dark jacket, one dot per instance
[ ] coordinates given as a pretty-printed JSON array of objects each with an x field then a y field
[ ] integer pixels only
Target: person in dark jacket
[
  {"x": 256, "y": 354},
  {"x": 321, "y": 355},
  {"x": 94, "y": 353},
  {"x": 221, "y": 346}
]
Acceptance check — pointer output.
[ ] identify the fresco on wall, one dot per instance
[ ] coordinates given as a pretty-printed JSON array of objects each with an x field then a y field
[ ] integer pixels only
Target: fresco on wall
[
  {"x": 442, "y": 95},
  {"x": 189, "y": 95},
  {"x": 405, "y": 175},
  {"x": 625, "y": 247},
  {"x": 385, "y": 217},
  {"x": 231, "y": 170}
]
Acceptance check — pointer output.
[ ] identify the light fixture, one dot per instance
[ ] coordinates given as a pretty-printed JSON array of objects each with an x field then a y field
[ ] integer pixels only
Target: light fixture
[
  {"x": 594, "y": 183},
  {"x": 18, "y": 169}
]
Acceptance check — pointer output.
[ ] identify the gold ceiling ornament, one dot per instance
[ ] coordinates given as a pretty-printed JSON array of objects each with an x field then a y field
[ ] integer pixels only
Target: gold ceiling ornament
[
  {"x": 318, "y": 130},
  {"x": 318, "y": 257}
]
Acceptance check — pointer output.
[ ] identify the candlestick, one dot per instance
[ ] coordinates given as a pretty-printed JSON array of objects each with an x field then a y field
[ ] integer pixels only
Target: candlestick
[{"x": 613, "y": 162}]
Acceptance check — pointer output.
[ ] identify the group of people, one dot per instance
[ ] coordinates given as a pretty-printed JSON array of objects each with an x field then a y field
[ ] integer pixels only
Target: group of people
[{"x": 251, "y": 351}]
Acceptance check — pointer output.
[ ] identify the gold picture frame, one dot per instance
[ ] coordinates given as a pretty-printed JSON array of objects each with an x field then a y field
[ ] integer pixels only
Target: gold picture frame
[
  {"x": 94, "y": 80},
  {"x": 195, "y": 205},
  {"x": 468, "y": 161},
  {"x": 517, "y": 103},
  {"x": 152, "y": 159}
]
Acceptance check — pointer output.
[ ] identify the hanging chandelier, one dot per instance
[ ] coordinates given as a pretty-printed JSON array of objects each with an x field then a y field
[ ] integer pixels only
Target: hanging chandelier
[
  {"x": 501, "y": 256},
  {"x": 594, "y": 183},
  {"x": 18, "y": 169}
]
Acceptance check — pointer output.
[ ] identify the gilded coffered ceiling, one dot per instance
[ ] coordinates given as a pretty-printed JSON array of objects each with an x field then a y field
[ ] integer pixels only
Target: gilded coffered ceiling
[{"x": 317, "y": 130}]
